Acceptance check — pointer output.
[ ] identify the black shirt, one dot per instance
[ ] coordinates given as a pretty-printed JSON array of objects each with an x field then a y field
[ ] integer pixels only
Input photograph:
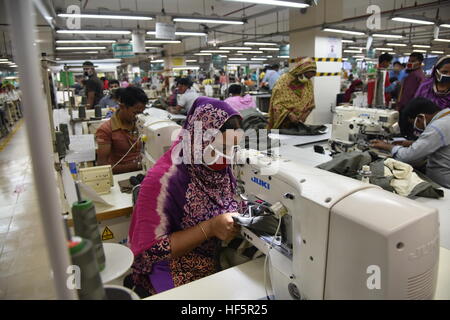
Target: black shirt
[{"x": 94, "y": 84}]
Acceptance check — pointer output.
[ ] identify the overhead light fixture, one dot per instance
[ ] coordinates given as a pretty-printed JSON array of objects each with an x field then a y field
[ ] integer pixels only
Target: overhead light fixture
[
  {"x": 237, "y": 59},
  {"x": 214, "y": 51},
  {"x": 84, "y": 52},
  {"x": 203, "y": 54},
  {"x": 412, "y": 20},
  {"x": 150, "y": 48},
  {"x": 4, "y": 60},
  {"x": 283, "y": 57},
  {"x": 347, "y": 41},
  {"x": 162, "y": 41},
  {"x": 384, "y": 49},
  {"x": 382, "y": 35},
  {"x": 93, "y": 61},
  {"x": 93, "y": 31},
  {"x": 209, "y": 20},
  {"x": 80, "y": 48},
  {"x": 269, "y": 57},
  {"x": 407, "y": 53},
  {"x": 344, "y": 59},
  {"x": 191, "y": 60},
  {"x": 355, "y": 33},
  {"x": 184, "y": 33},
  {"x": 85, "y": 41},
  {"x": 357, "y": 48},
  {"x": 102, "y": 16},
  {"x": 157, "y": 61},
  {"x": 186, "y": 68},
  {"x": 446, "y": 25},
  {"x": 352, "y": 51},
  {"x": 438, "y": 52},
  {"x": 260, "y": 44},
  {"x": 419, "y": 50},
  {"x": 269, "y": 49},
  {"x": 359, "y": 56},
  {"x": 421, "y": 46},
  {"x": 392, "y": 44},
  {"x": 280, "y": 3},
  {"x": 235, "y": 48},
  {"x": 442, "y": 40},
  {"x": 250, "y": 51},
  {"x": 258, "y": 59}
]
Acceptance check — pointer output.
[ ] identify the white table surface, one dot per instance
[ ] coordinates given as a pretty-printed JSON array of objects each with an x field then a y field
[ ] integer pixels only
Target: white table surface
[
  {"x": 291, "y": 140},
  {"x": 246, "y": 282},
  {"x": 118, "y": 259}
]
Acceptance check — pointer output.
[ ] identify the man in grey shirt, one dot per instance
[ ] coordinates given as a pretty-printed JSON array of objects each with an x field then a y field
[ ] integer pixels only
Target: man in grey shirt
[{"x": 433, "y": 143}]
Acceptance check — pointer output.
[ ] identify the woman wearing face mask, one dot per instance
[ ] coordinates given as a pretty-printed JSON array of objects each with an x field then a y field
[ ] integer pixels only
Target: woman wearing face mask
[
  {"x": 293, "y": 96},
  {"x": 117, "y": 139},
  {"x": 185, "y": 204},
  {"x": 432, "y": 124},
  {"x": 356, "y": 86},
  {"x": 437, "y": 88}
]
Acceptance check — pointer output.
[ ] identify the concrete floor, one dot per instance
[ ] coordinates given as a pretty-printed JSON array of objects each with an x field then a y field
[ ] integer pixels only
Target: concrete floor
[{"x": 24, "y": 264}]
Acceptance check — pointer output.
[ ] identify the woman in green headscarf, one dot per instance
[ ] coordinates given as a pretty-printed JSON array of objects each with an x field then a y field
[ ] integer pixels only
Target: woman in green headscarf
[{"x": 293, "y": 96}]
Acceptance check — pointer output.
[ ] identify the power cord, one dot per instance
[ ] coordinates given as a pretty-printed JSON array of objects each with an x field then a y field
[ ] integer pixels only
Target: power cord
[
  {"x": 267, "y": 258},
  {"x": 137, "y": 140}
]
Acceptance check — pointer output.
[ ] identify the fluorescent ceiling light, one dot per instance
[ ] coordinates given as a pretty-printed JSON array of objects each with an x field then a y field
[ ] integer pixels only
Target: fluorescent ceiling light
[
  {"x": 208, "y": 20},
  {"x": 93, "y": 61},
  {"x": 356, "y": 33},
  {"x": 102, "y": 16},
  {"x": 392, "y": 44},
  {"x": 438, "y": 52},
  {"x": 344, "y": 59},
  {"x": 352, "y": 51},
  {"x": 150, "y": 48},
  {"x": 184, "y": 33},
  {"x": 157, "y": 61},
  {"x": 357, "y": 48},
  {"x": 407, "y": 53},
  {"x": 280, "y": 3},
  {"x": 4, "y": 60},
  {"x": 214, "y": 51},
  {"x": 410, "y": 20},
  {"x": 361, "y": 57},
  {"x": 382, "y": 35},
  {"x": 250, "y": 51},
  {"x": 186, "y": 68},
  {"x": 419, "y": 50},
  {"x": 421, "y": 46},
  {"x": 260, "y": 44},
  {"x": 83, "y": 52},
  {"x": 85, "y": 41},
  {"x": 347, "y": 41},
  {"x": 80, "y": 48},
  {"x": 222, "y": 56},
  {"x": 191, "y": 60},
  {"x": 283, "y": 57},
  {"x": 258, "y": 59},
  {"x": 235, "y": 48},
  {"x": 384, "y": 49},
  {"x": 269, "y": 56},
  {"x": 445, "y": 25},
  {"x": 162, "y": 41},
  {"x": 203, "y": 54},
  {"x": 269, "y": 49},
  {"x": 442, "y": 40},
  {"x": 237, "y": 59},
  {"x": 94, "y": 31}
]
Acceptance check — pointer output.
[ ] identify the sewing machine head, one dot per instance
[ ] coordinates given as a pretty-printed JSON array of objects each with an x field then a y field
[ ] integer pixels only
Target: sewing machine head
[
  {"x": 340, "y": 238},
  {"x": 353, "y": 126},
  {"x": 157, "y": 135}
]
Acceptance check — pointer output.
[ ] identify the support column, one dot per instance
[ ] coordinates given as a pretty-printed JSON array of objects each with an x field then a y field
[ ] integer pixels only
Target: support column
[{"x": 318, "y": 44}]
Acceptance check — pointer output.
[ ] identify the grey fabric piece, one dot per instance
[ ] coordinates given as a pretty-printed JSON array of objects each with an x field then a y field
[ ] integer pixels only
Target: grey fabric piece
[
  {"x": 305, "y": 130},
  {"x": 253, "y": 119},
  {"x": 266, "y": 224},
  {"x": 349, "y": 163}
]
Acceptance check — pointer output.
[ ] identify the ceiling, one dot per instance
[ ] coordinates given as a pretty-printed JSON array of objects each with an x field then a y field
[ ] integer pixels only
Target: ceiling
[{"x": 264, "y": 23}]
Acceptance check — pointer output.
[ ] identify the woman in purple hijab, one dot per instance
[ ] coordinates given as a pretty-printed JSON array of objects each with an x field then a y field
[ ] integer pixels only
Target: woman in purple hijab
[
  {"x": 185, "y": 208},
  {"x": 437, "y": 88}
]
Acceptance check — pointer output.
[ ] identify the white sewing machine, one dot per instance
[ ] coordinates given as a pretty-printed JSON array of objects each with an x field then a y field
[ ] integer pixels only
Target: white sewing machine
[
  {"x": 157, "y": 133},
  {"x": 340, "y": 238},
  {"x": 353, "y": 125}
]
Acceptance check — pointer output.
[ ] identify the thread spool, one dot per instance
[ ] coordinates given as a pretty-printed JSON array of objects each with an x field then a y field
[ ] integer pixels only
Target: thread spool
[
  {"x": 85, "y": 226},
  {"x": 81, "y": 112},
  {"x": 98, "y": 111},
  {"x": 64, "y": 128},
  {"x": 83, "y": 256},
  {"x": 60, "y": 144}
]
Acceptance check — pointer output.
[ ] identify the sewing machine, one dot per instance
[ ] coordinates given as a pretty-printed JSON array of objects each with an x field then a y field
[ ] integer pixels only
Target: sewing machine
[
  {"x": 157, "y": 133},
  {"x": 355, "y": 126},
  {"x": 340, "y": 238}
]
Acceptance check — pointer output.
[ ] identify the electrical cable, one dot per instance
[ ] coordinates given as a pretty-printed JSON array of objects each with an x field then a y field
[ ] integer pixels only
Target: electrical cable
[
  {"x": 137, "y": 140},
  {"x": 267, "y": 258}
]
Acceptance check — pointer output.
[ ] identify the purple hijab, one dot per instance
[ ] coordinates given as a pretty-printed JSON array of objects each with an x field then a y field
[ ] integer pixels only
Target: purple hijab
[
  {"x": 176, "y": 196},
  {"x": 426, "y": 89}
]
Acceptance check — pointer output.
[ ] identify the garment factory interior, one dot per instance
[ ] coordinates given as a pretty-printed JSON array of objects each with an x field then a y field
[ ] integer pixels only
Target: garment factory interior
[{"x": 173, "y": 149}]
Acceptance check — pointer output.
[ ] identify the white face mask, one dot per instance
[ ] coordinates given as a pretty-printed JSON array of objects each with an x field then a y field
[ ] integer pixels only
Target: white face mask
[{"x": 424, "y": 124}]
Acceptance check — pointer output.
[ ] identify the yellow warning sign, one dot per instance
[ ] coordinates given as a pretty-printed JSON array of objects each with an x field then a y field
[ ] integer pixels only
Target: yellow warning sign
[{"x": 107, "y": 234}]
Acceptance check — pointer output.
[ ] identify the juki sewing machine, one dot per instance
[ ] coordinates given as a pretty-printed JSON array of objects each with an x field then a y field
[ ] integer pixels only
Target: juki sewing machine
[
  {"x": 354, "y": 127},
  {"x": 157, "y": 134},
  {"x": 338, "y": 238}
]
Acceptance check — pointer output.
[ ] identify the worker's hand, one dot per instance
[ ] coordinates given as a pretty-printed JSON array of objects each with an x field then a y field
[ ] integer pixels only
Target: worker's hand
[
  {"x": 404, "y": 143},
  {"x": 172, "y": 110},
  {"x": 382, "y": 145},
  {"x": 223, "y": 226}
]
